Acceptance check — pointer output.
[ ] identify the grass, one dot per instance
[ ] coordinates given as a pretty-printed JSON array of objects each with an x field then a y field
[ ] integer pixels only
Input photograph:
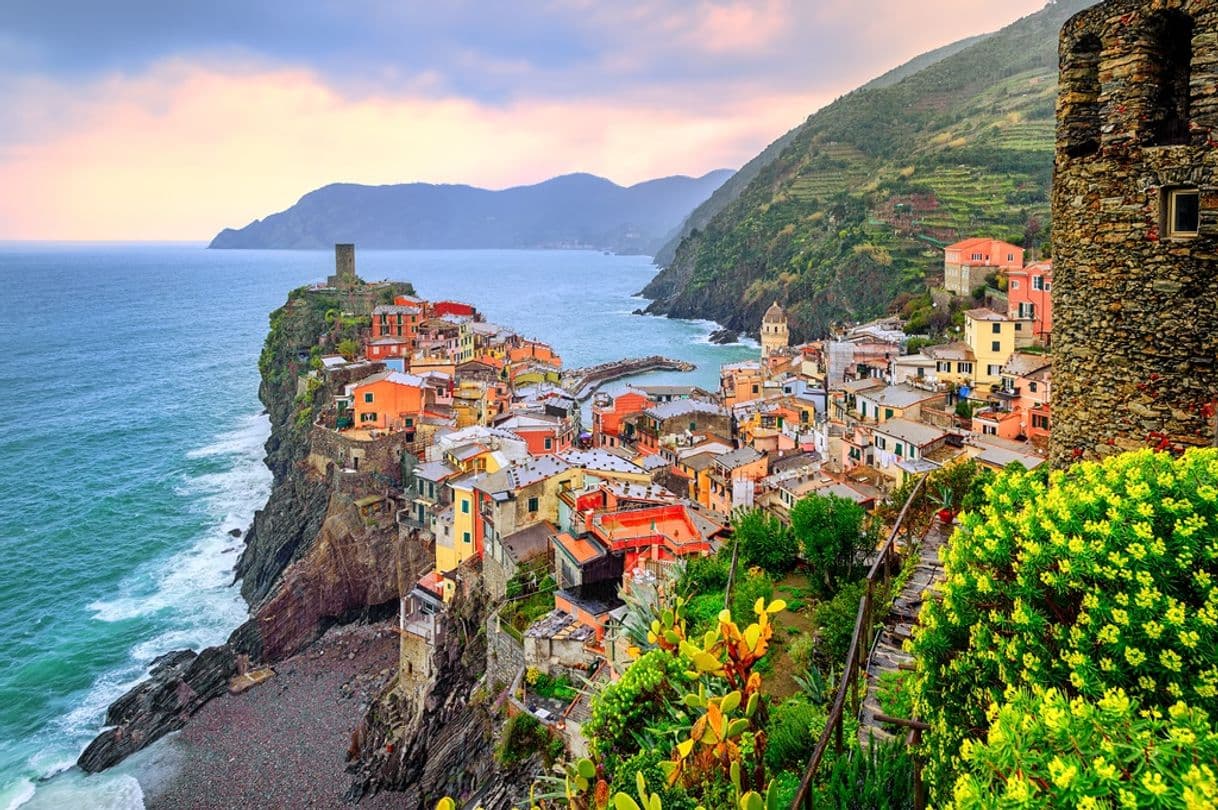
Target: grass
[{"x": 789, "y": 624}]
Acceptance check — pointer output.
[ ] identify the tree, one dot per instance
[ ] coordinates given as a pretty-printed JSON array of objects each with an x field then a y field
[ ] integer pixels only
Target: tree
[
  {"x": 830, "y": 533},
  {"x": 348, "y": 348},
  {"x": 764, "y": 541}
]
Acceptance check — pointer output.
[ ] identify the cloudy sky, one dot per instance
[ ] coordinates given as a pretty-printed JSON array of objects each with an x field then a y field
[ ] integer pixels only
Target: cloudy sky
[{"x": 158, "y": 119}]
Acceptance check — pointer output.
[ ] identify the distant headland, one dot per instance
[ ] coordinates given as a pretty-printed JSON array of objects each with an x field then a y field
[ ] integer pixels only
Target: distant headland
[{"x": 571, "y": 211}]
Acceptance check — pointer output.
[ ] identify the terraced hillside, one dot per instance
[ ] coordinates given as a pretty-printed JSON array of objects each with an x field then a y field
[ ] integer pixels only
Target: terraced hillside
[{"x": 855, "y": 207}]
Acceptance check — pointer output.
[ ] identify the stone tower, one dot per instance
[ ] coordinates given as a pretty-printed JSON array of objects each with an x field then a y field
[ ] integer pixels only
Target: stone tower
[
  {"x": 774, "y": 333},
  {"x": 344, "y": 267},
  {"x": 1135, "y": 229}
]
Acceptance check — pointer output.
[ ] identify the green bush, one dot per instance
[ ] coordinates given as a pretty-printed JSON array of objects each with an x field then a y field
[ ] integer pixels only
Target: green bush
[
  {"x": 764, "y": 541},
  {"x": 830, "y": 531},
  {"x": 750, "y": 586},
  {"x": 559, "y": 688},
  {"x": 1044, "y": 750},
  {"x": 705, "y": 574},
  {"x": 624, "y": 780},
  {"x": 894, "y": 691},
  {"x": 1104, "y": 576},
  {"x": 800, "y": 651},
  {"x": 702, "y": 612},
  {"x": 835, "y": 623},
  {"x": 524, "y": 736},
  {"x": 793, "y": 729},
  {"x": 879, "y": 777}
]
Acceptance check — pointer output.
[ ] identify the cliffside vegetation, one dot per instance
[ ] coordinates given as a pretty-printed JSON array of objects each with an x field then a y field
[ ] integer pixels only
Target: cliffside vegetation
[{"x": 856, "y": 206}]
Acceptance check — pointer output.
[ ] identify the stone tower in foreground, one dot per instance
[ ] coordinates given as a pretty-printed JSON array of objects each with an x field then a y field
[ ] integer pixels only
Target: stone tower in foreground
[
  {"x": 1135, "y": 229},
  {"x": 775, "y": 334}
]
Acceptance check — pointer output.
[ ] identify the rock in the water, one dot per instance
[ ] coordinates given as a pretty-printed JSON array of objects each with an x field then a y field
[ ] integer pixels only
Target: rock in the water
[
  {"x": 234, "y": 532},
  {"x": 722, "y": 337},
  {"x": 179, "y": 684}
]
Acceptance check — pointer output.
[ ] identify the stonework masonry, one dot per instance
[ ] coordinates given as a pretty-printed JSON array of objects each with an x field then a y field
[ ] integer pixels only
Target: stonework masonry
[{"x": 1135, "y": 291}]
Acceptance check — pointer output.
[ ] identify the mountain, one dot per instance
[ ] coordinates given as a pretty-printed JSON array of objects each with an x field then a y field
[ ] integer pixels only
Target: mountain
[
  {"x": 575, "y": 210},
  {"x": 859, "y": 200},
  {"x": 737, "y": 183}
]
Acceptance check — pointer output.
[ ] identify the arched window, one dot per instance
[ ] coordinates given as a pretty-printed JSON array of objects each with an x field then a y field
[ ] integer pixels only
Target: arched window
[
  {"x": 1081, "y": 117},
  {"x": 1170, "y": 39}
]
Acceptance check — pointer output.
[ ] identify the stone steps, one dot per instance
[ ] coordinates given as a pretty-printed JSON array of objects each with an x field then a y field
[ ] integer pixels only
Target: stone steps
[{"x": 889, "y": 654}]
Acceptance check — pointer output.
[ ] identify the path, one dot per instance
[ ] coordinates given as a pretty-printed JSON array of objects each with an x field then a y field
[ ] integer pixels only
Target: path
[{"x": 889, "y": 654}]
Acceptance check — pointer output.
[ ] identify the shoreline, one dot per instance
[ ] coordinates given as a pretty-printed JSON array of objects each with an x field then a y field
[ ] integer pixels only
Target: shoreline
[{"x": 281, "y": 743}]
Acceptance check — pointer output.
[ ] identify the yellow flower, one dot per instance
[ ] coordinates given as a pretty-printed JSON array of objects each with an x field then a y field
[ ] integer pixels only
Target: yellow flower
[
  {"x": 1153, "y": 782},
  {"x": 1062, "y": 773}
]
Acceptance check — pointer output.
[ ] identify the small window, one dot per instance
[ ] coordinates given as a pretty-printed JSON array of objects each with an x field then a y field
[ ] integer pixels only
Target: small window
[
  {"x": 533, "y": 504},
  {"x": 996, "y": 328},
  {"x": 1182, "y": 212},
  {"x": 900, "y": 449},
  {"x": 465, "y": 537},
  {"x": 1032, "y": 387},
  {"x": 409, "y": 421},
  {"x": 367, "y": 417},
  {"x": 888, "y": 413},
  {"x": 880, "y": 443},
  {"x": 964, "y": 368},
  {"x": 1038, "y": 282},
  {"x": 1018, "y": 327},
  {"x": 755, "y": 389},
  {"x": 549, "y": 443},
  {"x": 996, "y": 346},
  {"x": 1014, "y": 284},
  {"x": 368, "y": 397},
  {"x": 464, "y": 506}
]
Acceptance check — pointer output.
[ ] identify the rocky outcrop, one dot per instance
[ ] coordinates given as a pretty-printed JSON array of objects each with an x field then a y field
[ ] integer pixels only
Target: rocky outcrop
[
  {"x": 437, "y": 739},
  {"x": 310, "y": 560},
  {"x": 178, "y": 685}
]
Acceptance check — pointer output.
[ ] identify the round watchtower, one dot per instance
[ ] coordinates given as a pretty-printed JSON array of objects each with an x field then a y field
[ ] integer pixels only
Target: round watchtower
[{"x": 1135, "y": 229}]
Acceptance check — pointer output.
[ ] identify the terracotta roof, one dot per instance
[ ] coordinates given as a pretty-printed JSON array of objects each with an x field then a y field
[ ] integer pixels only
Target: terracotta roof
[{"x": 774, "y": 314}]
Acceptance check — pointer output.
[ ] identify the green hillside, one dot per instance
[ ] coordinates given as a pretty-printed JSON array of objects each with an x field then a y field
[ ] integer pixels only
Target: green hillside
[{"x": 855, "y": 208}]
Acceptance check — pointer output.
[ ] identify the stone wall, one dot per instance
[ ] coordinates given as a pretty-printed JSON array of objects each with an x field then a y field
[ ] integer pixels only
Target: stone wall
[
  {"x": 1135, "y": 314},
  {"x": 381, "y": 456},
  {"x": 504, "y": 654}
]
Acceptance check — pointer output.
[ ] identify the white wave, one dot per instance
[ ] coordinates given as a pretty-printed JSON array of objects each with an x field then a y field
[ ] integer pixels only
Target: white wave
[
  {"x": 98, "y": 792},
  {"x": 197, "y": 581},
  {"x": 246, "y": 438},
  {"x": 17, "y": 794}
]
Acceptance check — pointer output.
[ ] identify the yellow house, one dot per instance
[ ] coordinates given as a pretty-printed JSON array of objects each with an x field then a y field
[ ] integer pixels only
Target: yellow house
[
  {"x": 955, "y": 363},
  {"x": 465, "y": 343},
  {"x": 992, "y": 339}
]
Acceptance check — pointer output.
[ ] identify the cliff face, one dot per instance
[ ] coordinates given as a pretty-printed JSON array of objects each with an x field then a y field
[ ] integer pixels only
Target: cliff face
[
  {"x": 435, "y": 738},
  {"x": 311, "y": 559}
]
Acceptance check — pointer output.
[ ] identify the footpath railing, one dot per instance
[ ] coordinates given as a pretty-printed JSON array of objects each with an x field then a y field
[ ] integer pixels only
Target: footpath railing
[{"x": 887, "y": 564}]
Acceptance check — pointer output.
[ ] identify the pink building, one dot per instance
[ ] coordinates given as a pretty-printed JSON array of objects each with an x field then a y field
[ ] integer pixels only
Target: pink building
[
  {"x": 1028, "y": 291},
  {"x": 967, "y": 263}
]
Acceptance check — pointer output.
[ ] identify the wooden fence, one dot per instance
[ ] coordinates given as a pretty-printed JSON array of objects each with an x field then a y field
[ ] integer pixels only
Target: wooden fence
[{"x": 887, "y": 564}]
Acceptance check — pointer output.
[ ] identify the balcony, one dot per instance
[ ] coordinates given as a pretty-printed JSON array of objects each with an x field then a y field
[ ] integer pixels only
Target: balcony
[{"x": 1007, "y": 391}]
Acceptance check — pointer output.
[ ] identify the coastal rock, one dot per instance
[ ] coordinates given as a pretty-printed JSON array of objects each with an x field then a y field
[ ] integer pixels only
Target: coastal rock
[
  {"x": 722, "y": 337},
  {"x": 179, "y": 683},
  {"x": 234, "y": 532},
  {"x": 436, "y": 738}
]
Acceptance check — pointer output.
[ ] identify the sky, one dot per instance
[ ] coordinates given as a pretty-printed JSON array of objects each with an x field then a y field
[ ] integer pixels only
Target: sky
[{"x": 155, "y": 120}]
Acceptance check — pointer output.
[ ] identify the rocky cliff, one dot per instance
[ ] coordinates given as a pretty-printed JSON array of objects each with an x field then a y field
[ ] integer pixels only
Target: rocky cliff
[
  {"x": 311, "y": 559},
  {"x": 433, "y": 738}
]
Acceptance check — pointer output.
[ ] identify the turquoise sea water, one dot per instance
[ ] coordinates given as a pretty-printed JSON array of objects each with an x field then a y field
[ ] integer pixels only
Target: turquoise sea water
[{"x": 133, "y": 441}]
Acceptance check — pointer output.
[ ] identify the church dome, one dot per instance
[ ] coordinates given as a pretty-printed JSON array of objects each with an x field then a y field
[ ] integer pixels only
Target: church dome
[{"x": 774, "y": 314}]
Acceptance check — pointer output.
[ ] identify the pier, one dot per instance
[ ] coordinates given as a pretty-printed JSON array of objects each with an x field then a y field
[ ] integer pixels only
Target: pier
[{"x": 583, "y": 382}]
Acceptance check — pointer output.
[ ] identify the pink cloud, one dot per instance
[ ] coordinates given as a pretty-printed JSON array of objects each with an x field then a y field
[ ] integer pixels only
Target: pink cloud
[{"x": 184, "y": 150}]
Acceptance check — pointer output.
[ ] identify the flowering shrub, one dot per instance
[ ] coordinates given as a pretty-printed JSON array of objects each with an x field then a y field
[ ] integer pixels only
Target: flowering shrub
[
  {"x": 1104, "y": 577},
  {"x": 1044, "y": 750}
]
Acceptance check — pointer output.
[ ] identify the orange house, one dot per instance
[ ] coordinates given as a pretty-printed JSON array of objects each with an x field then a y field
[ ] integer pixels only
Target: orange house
[
  {"x": 389, "y": 400},
  {"x": 1029, "y": 293},
  {"x": 534, "y": 350},
  {"x": 608, "y": 413},
  {"x": 741, "y": 382},
  {"x": 967, "y": 263}
]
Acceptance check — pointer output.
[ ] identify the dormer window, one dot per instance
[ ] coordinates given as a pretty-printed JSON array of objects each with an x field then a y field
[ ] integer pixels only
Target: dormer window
[{"x": 1181, "y": 213}]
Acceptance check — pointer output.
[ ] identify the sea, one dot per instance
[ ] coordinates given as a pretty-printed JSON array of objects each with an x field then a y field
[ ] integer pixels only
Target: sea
[{"x": 133, "y": 445}]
